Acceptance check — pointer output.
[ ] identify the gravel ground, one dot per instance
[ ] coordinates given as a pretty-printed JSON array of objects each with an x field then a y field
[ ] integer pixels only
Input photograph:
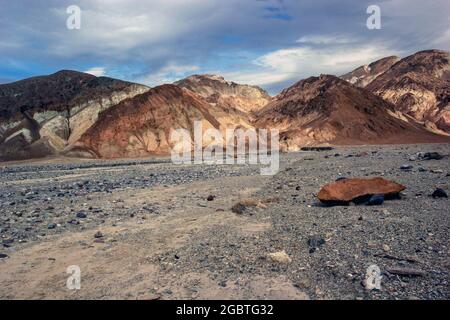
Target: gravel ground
[{"x": 158, "y": 216}]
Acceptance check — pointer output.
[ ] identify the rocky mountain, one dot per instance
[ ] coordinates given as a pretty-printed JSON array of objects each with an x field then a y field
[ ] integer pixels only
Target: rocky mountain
[
  {"x": 78, "y": 114},
  {"x": 364, "y": 75},
  {"x": 419, "y": 86},
  {"x": 327, "y": 109},
  {"x": 44, "y": 115},
  {"x": 142, "y": 125},
  {"x": 225, "y": 94}
]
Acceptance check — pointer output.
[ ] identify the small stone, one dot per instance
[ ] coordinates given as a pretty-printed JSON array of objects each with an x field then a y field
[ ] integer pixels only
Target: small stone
[
  {"x": 371, "y": 244},
  {"x": 432, "y": 156},
  {"x": 51, "y": 226},
  {"x": 406, "y": 167},
  {"x": 362, "y": 154},
  {"x": 98, "y": 235},
  {"x": 386, "y": 248},
  {"x": 315, "y": 242},
  {"x": 211, "y": 198},
  {"x": 280, "y": 257},
  {"x": 81, "y": 215},
  {"x": 376, "y": 200},
  {"x": 3, "y": 256},
  {"x": 238, "y": 208},
  {"x": 408, "y": 272},
  {"x": 439, "y": 193}
]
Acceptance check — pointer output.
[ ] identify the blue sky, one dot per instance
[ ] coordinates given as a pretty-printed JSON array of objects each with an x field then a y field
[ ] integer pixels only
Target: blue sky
[{"x": 271, "y": 43}]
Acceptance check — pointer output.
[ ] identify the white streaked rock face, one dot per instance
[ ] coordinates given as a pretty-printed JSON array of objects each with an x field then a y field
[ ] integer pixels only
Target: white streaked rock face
[
  {"x": 60, "y": 129},
  {"x": 24, "y": 132}
]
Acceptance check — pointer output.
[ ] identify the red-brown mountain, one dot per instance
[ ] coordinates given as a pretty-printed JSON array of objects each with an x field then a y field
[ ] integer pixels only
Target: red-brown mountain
[
  {"x": 419, "y": 86},
  {"x": 327, "y": 109},
  {"x": 225, "y": 94},
  {"x": 364, "y": 75},
  {"x": 142, "y": 125},
  {"x": 43, "y": 115}
]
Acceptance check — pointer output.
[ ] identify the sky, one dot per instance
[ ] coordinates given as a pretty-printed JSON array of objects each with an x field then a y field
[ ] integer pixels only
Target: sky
[{"x": 270, "y": 43}]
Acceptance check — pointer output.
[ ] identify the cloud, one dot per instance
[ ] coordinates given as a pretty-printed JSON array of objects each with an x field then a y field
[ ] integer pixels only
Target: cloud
[
  {"x": 325, "y": 39},
  {"x": 248, "y": 40},
  {"x": 293, "y": 64},
  {"x": 96, "y": 71},
  {"x": 443, "y": 41},
  {"x": 168, "y": 74}
]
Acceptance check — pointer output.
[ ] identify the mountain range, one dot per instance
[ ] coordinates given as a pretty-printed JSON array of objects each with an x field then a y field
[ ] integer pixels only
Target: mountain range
[{"x": 70, "y": 113}]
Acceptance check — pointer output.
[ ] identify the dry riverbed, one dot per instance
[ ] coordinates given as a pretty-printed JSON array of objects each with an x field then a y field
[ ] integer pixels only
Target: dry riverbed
[{"x": 152, "y": 230}]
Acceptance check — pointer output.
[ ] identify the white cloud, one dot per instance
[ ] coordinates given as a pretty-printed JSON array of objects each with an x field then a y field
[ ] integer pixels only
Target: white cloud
[
  {"x": 324, "y": 39},
  {"x": 301, "y": 62},
  {"x": 443, "y": 42},
  {"x": 96, "y": 71},
  {"x": 168, "y": 74}
]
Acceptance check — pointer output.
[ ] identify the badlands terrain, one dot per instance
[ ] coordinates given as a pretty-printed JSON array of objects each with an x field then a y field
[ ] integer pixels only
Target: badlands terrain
[
  {"x": 148, "y": 229},
  {"x": 73, "y": 114},
  {"x": 85, "y": 180}
]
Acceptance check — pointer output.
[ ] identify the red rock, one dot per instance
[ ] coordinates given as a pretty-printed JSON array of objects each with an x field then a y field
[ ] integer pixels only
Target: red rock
[
  {"x": 350, "y": 189},
  {"x": 328, "y": 110}
]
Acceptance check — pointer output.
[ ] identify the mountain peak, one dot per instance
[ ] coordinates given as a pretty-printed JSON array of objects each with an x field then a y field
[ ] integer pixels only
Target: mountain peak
[
  {"x": 229, "y": 95},
  {"x": 365, "y": 74},
  {"x": 327, "y": 109}
]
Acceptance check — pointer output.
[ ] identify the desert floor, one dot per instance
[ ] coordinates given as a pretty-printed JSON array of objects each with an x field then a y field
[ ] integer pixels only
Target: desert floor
[{"x": 162, "y": 239}]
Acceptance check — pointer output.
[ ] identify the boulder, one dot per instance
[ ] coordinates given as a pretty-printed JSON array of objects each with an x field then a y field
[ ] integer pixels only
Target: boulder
[{"x": 358, "y": 190}]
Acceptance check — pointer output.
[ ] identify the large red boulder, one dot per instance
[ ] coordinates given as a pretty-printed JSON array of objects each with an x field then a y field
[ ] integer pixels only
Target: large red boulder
[{"x": 348, "y": 190}]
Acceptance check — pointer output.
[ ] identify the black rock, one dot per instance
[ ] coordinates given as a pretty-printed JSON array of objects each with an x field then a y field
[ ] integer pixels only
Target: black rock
[
  {"x": 316, "y": 242},
  {"x": 439, "y": 193},
  {"x": 317, "y": 149},
  {"x": 211, "y": 198},
  {"x": 341, "y": 178},
  {"x": 51, "y": 226},
  {"x": 238, "y": 208},
  {"x": 376, "y": 200},
  {"x": 432, "y": 156},
  {"x": 406, "y": 167},
  {"x": 81, "y": 215},
  {"x": 98, "y": 235},
  {"x": 8, "y": 241},
  {"x": 3, "y": 256}
]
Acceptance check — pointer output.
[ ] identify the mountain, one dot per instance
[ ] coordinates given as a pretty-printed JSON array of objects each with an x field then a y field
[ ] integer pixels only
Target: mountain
[
  {"x": 44, "y": 115},
  {"x": 327, "y": 109},
  {"x": 364, "y": 75},
  {"x": 227, "y": 95},
  {"x": 419, "y": 86},
  {"x": 141, "y": 126}
]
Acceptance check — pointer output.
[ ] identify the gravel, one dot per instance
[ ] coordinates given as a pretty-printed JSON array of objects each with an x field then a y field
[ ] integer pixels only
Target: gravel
[{"x": 330, "y": 247}]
